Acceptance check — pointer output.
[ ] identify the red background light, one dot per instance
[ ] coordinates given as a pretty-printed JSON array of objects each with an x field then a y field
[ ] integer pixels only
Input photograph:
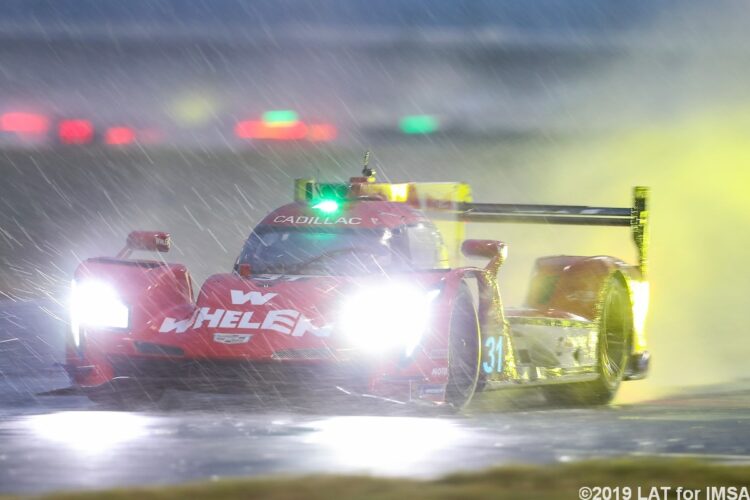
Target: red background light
[
  {"x": 260, "y": 130},
  {"x": 321, "y": 132},
  {"x": 119, "y": 136},
  {"x": 24, "y": 123},
  {"x": 75, "y": 131}
]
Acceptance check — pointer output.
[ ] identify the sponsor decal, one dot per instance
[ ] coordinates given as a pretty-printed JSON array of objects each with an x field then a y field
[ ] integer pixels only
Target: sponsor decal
[
  {"x": 284, "y": 321},
  {"x": 163, "y": 241},
  {"x": 255, "y": 298},
  {"x": 440, "y": 371},
  {"x": 232, "y": 338},
  {"x": 317, "y": 221}
]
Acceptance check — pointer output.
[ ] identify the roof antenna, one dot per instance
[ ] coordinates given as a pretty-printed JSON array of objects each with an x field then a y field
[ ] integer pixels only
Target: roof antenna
[{"x": 366, "y": 170}]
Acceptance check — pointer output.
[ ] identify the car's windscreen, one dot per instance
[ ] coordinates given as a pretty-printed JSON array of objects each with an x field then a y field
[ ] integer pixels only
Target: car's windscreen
[{"x": 321, "y": 251}]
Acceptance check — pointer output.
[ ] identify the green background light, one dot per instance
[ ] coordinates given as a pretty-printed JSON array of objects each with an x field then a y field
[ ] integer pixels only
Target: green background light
[
  {"x": 280, "y": 116},
  {"x": 419, "y": 124}
]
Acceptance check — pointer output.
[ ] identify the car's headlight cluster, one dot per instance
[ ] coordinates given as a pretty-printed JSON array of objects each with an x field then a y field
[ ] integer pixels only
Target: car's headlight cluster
[
  {"x": 96, "y": 304},
  {"x": 387, "y": 318}
]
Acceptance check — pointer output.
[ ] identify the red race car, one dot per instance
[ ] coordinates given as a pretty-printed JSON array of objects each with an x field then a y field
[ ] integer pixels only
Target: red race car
[{"x": 358, "y": 287}]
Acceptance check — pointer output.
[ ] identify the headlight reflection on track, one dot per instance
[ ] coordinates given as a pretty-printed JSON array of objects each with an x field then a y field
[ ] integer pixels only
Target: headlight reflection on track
[
  {"x": 89, "y": 432},
  {"x": 384, "y": 445}
]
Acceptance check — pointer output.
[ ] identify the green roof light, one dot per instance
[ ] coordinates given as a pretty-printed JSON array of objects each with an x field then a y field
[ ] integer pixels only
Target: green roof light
[
  {"x": 419, "y": 124},
  {"x": 327, "y": 206}
]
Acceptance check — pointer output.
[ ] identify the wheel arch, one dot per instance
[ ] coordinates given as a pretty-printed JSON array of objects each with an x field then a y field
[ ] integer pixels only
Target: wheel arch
[{"x": 483, "y": 289}]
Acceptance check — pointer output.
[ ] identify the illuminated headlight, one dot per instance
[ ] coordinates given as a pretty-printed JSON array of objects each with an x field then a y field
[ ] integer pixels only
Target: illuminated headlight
[
  {"x": 96, "y": 304},
  {"x": 387, "y": 318}
]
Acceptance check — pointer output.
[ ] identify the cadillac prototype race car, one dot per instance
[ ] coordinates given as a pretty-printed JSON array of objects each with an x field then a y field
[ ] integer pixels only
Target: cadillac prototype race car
[{"x": 358, "y": 287}]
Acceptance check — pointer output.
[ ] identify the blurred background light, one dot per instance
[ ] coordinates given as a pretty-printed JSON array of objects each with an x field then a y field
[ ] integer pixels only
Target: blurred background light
[
  {"x": 280, "y": 117},
  {"x": 24, "y": 123},
  {"x": 419, "y": 124},
  {"x": 193, "y": 109},
  {"x": 119, "y": 136},
  {"x": 75, "y": 131},
  {"x": 253, "y": 129},
  {"x": 321, "y": 132}
]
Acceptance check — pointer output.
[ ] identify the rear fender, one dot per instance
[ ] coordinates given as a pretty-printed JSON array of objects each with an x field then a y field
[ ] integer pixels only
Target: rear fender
[
  {"x": 572, "y": 283},
  {"x": 575, "y": 284}
]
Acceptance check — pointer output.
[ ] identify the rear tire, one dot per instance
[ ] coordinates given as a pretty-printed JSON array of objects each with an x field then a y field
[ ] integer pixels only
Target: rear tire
[
  {"x": 463, "y": 351},
  {"x": 613, "y": 350}
]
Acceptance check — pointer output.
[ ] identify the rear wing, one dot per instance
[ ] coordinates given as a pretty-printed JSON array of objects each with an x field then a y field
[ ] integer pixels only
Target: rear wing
[
  {"x": 450, "y": 204},
  {"x": 634, "y": 217}
]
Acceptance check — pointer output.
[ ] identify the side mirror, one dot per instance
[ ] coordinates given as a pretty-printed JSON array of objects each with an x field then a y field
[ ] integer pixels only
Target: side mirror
[
  {"x": 152, "y": 241},
  {"x": 495, "y": 250}
]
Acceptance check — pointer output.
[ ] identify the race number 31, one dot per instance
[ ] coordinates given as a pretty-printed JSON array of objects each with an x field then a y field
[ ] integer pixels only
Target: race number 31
[{"x": 493, "y": 354}]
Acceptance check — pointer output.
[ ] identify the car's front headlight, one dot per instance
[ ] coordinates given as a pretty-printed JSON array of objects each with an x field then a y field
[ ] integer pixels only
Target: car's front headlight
[
  {"x": 387, "y": 318},
  {"x": 96, "y": 304}
]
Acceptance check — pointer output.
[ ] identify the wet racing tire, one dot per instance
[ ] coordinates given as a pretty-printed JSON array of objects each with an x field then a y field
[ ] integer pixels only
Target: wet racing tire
[
  {"x": 463, "y": 351},
  {"x": 613, "y": 349}
]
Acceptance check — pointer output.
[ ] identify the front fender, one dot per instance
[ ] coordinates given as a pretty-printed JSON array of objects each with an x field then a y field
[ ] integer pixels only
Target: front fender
[
  {"x": 148, "y": 288},
  {"x": 493, "y": 327}
]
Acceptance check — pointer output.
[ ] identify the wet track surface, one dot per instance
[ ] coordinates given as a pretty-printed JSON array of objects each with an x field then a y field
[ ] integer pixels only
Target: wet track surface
[{"x": 50, "y": 443}]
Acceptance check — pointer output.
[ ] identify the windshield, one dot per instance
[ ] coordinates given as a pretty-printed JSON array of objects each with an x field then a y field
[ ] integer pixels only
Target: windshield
[{"x": 316, "y": 251}]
